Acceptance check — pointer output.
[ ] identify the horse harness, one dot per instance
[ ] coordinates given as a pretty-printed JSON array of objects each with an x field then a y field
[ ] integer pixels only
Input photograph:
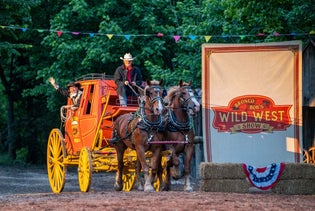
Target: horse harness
[
  {"x": 151, "y": 127},
  {"x": 140, "y": 120},
  {"x": 173, "y": 125}
]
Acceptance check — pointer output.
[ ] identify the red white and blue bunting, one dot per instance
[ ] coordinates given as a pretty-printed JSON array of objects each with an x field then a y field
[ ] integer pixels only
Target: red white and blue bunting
[{"x": 266, "y": 177}]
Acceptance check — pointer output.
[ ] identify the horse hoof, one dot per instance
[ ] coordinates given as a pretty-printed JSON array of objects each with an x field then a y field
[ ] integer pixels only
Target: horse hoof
[
  {"x": 140, "y": 188},
  {"x": 175, "y": 172},
  {"x": 166, "y": 188},
  {"x": 188, "y": 189},
  {"x": 117, "y": 187},
  {"x": 149, "y": 188}
]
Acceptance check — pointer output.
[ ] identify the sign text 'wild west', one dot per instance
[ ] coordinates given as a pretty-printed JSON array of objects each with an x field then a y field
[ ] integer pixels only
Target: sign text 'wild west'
[{"x": 251, "y": 114}]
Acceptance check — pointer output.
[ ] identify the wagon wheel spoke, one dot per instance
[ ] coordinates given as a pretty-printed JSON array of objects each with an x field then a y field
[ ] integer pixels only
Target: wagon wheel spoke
[
  {"x": 55, "y": 156},
  {"x": 306, "y": 156},
  {"x": 128, "y": 178},
  {"x": 311, "y": 152},
  {"x": 157, "y": 183},
  {"x": 85, "y": 169}
]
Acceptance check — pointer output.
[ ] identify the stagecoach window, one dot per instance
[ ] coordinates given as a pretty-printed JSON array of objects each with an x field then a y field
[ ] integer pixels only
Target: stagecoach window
[{"x": 89, "y": 100}]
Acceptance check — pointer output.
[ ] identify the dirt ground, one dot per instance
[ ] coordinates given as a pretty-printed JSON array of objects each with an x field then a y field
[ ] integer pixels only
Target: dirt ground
[{"x": 27, "y": 188}]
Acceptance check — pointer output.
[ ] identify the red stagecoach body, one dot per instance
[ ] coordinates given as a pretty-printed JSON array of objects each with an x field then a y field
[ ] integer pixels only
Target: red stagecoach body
[
  {"x": 91, "y": 124},
  {"x": 84, "y": 140}
]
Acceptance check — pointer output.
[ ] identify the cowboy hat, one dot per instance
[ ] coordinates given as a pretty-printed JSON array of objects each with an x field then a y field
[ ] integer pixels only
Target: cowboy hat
[
  {"x": 128, "y": 57},
  {"x": 72, "y": 84}
]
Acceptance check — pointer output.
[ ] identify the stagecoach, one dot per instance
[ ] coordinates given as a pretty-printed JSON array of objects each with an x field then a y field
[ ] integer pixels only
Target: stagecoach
[{"x": 84, "y": 137}]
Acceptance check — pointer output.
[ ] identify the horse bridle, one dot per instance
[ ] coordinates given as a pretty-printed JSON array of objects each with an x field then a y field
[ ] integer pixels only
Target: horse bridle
[
  {"x": 180, "y": 126},
  {"x": 143, "y": 116},
  {"x": 154, "y": 99},
  {"x": 186, "y": 100}
]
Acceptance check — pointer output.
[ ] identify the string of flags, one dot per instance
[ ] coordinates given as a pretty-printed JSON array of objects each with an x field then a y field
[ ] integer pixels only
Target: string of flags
[{"x": 159, "y": 34}]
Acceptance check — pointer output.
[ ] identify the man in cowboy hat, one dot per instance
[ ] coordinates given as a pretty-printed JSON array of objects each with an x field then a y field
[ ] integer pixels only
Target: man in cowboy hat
[
  {"x": 73, "y": 91},
  {"x": 125, "y": 76}
]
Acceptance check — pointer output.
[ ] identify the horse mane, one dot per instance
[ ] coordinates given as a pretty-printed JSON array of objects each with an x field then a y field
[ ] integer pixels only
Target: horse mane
[
  {"x": 186, "y": 84},
  {"x": 154, "y": 82},
  {"x": 171, "y": 93},
  {"x": 173, "y": 90}
]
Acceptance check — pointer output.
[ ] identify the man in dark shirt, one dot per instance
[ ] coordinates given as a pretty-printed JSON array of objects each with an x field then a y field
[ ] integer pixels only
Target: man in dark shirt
[{"x": 126, "y": 75}]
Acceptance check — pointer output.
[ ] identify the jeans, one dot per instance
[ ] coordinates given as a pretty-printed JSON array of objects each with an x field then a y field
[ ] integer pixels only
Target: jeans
[{"x": 123, "y": 100}]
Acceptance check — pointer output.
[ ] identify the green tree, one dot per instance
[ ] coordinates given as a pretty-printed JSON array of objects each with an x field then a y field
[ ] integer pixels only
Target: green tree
[
  {"x": 21, "y": 56},
  {"x": 267, "y": 17},
  {"x": 14, "y": 64},
  {"x": 75, "y": 55}
]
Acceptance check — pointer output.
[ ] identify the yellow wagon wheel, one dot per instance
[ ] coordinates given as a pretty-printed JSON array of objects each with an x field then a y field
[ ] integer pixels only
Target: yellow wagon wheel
[
  {"x": 55, "y": 156},
  {"x": 129, "y": 169},
  {"x": 157, "y": 184},
  {"x": 306, "y": 156},
  {"x": 85, "y": 169},
  {"x": 128, "y": 178},
  {"x": 311, "y": 152}
]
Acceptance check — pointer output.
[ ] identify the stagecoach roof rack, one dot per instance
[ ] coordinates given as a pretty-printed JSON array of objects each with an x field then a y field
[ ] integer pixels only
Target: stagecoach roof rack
[{"x": 94, "y": 76}]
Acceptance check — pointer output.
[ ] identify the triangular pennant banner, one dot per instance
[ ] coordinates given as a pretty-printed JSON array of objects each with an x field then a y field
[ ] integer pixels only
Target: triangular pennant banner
[
  {"x": 127, "y": 37},
  {"x": 176, "y": 38},
  {"x": 159, "y": 34},
  {"x": 59, "y": 33},
  {"x": 207, "y": 38},
  {"x": 192, "y": 37}
]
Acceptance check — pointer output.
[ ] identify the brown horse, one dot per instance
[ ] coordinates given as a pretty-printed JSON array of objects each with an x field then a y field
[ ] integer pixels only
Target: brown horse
[
  {"x": 136, "y": 131},
  {"x": 179, "y": 133}
]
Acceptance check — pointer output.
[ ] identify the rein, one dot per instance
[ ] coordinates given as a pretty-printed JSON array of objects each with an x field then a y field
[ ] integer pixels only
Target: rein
[{"x": 133, "y": 90}]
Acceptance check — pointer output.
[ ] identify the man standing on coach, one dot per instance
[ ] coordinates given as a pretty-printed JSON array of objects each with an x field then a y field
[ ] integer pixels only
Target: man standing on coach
[{"x": 127, "y": 75}]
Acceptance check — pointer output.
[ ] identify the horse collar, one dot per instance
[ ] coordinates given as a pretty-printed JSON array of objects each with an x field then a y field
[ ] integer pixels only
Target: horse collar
[
  {"x": 145, "y": 123},
  {"x": 174, "y": 124}
]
